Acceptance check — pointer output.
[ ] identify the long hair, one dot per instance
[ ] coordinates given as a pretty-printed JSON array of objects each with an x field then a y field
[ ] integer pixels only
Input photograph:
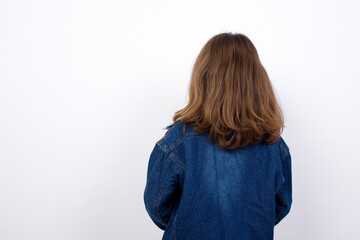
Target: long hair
[{"x": 230, "y": 95}]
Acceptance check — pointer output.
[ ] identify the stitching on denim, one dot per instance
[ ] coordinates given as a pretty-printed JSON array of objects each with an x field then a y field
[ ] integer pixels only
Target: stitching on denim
[
  {"x": 179, "y": 142},
  {"x": 162, "y": 139},
  {"x": 167, "y": 133},
  {"x": 176, "y": 144},
  {"x": 159, "y": 144},
  {"x": 157, "y": 206},
  {"x": 283, "y": 147},
  {"x": 286, "y": 152},
  {"x": 169, "y": 149},
  {"x": 285, "y": 157},
  {"x": 180, "y": 164}
]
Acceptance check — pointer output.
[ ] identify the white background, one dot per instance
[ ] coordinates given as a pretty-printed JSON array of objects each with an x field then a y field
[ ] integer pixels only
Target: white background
[{"x": 87, "y": 86}]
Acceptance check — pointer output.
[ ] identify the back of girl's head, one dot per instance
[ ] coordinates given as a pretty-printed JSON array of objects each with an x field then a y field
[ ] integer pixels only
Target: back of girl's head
[{"x": 231, "y": 96}]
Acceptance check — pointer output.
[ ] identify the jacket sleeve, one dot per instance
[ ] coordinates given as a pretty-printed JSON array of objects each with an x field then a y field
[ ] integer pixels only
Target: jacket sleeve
[
  {"x": 162, "y": 191},
  {"x": 283, "y": 194}
]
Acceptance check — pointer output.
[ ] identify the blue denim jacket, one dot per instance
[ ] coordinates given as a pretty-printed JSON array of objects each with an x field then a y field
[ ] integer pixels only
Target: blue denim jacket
[{"x": 196, "y": 190}]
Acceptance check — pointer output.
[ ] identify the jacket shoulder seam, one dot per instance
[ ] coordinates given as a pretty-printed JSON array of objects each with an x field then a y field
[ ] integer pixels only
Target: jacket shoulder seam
[
  {"x": 284, "y": 150},
  {"x": 167, "y": 133},
  {"x": 169, "y": 146},
  {"x": 167, "y": 153}
]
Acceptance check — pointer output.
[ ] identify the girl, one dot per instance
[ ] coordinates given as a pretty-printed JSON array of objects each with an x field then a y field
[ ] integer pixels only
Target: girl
[{"x": 222, "y": 170}]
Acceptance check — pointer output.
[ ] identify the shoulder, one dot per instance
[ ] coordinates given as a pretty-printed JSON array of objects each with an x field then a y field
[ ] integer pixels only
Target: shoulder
[
  {"x": 283, "y": 146},
  {"x": 174, "y": 136}
]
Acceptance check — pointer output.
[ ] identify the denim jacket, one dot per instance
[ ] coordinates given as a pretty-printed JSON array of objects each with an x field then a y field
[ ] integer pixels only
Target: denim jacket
[{"x": 196, "y": 190}]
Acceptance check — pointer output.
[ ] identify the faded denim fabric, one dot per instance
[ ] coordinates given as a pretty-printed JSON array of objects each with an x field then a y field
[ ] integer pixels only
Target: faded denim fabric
[{"x": 197, "y": 191}]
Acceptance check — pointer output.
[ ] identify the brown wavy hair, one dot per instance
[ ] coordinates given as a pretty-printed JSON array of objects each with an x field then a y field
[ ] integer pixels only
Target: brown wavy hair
[{"x": 230, "y": 95}]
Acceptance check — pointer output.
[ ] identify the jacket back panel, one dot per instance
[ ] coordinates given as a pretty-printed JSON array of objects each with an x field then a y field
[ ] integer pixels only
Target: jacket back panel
[{"x": 224, "y": 194}]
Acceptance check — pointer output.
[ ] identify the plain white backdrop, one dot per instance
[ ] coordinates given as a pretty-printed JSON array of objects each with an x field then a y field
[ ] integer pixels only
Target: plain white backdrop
[{"x": 87, "y": 86}]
